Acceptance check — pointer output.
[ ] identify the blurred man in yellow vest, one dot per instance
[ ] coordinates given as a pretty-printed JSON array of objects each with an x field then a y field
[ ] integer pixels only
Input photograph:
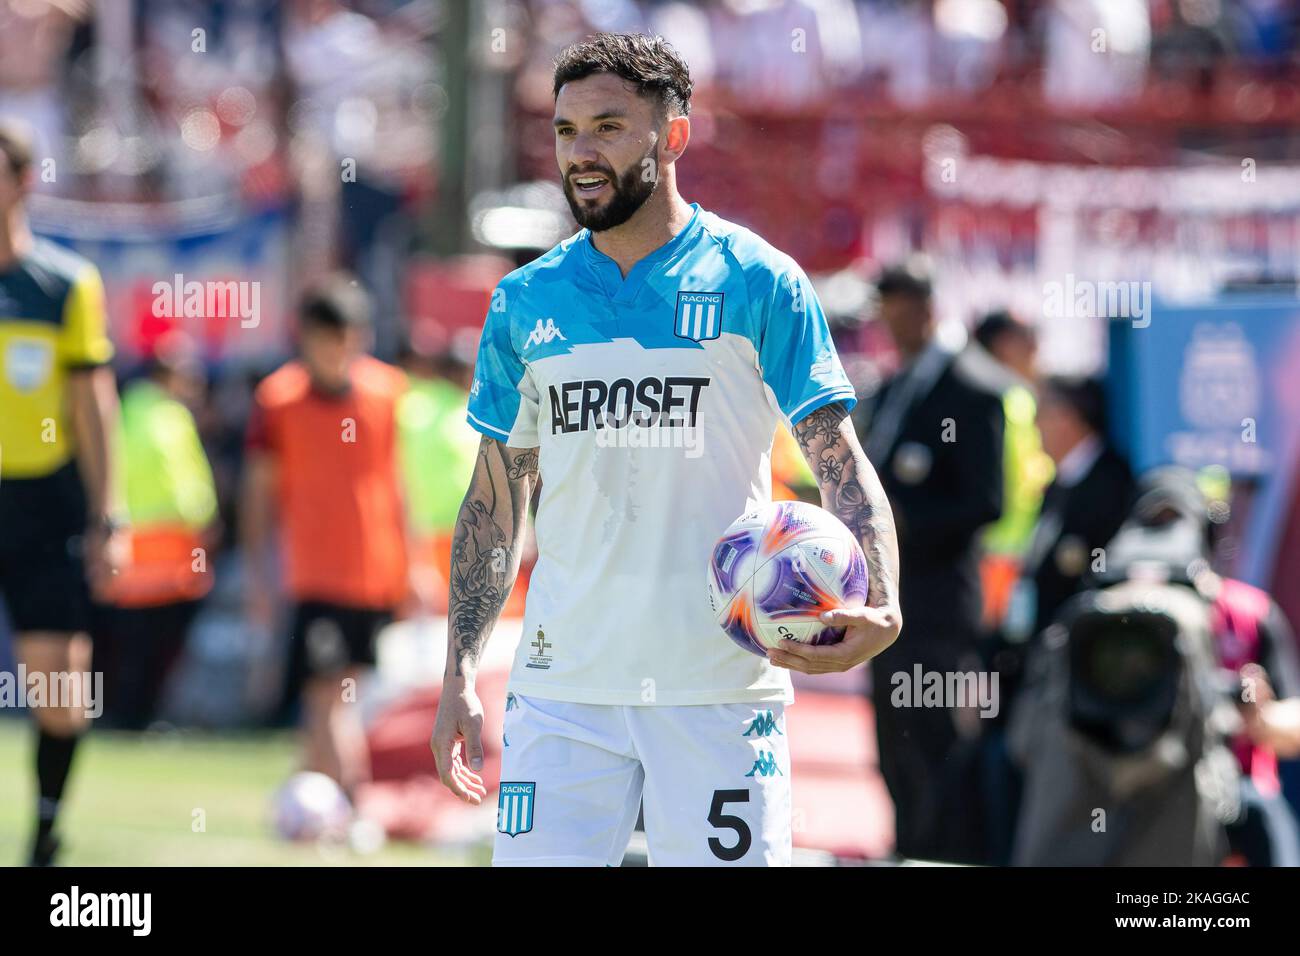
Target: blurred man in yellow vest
[
  {"x": 172, "y": 504},
  {"x": 438, "y": 450},
  {"x": 60, "y": 521},
  {"x": 1027, "y": 469}
]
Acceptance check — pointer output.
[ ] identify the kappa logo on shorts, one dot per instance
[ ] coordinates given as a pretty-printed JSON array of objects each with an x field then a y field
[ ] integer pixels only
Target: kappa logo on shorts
[
  {"x": 699, "y": 316},
  {"x": 511, "y": 704},
  {"x": 765, "y": 766},
  {"x": 763, "y": 724},
  {"x": 515, "y": 807}
]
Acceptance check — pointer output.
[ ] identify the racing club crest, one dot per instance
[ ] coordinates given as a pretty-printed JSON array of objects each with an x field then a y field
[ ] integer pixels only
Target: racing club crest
[
  {"x": 699, "y": 316},
  {"x": 515, "y": 807}
]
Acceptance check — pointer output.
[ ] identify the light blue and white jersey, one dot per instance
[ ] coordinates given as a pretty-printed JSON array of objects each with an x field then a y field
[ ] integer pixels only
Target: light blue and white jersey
[{"x": 652, "y": 400}]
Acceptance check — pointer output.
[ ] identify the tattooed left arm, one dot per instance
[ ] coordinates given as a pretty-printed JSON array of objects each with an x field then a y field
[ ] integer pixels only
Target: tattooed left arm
[{"x": 852, "y": 492}]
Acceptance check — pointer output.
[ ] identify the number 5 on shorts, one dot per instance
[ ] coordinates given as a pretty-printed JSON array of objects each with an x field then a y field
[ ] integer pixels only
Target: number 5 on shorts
[{"x": 725, "y": 821}]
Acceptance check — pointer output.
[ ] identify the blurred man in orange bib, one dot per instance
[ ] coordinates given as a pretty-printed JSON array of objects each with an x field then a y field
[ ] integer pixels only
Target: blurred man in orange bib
[{"x": 322, "y": 449}]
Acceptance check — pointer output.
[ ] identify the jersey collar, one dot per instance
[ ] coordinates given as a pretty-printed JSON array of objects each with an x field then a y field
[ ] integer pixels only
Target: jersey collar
[{"x": 624, "y": 288}]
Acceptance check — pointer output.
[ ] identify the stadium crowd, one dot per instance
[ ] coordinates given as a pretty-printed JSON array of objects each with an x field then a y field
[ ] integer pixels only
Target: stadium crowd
[{"x": 267, "y": 99}]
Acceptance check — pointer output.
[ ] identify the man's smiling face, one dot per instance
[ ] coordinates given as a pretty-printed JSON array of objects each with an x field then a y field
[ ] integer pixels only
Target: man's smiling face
[{"x": 606, "y": 144}]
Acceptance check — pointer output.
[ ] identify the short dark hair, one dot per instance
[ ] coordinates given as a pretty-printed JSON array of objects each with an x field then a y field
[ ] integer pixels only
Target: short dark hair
[
  {"x": 648, "y": 63},
  {"x": 909, "y": 279},
  {"x": 16, "y": 147},
  {"x": 1084, "y": 396},
  {"x": 337, "y": 302},
  {"x": 998, "y": 323}
]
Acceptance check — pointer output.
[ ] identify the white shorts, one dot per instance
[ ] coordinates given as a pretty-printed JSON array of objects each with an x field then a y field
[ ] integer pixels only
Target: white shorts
[{"x": 714, "y": 778}]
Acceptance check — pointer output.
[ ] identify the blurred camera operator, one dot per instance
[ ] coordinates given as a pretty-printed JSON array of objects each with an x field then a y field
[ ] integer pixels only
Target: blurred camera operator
[
  {"x": 1162, "y": 549},
  {"x": 1256, "y": 647},
  {"x": 1124, "y": 726},
  {"x": 1082, "y": 508}
]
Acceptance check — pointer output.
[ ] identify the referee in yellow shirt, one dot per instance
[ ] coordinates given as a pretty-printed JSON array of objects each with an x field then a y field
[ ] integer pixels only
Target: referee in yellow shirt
[{"x": 59, "y": 537}]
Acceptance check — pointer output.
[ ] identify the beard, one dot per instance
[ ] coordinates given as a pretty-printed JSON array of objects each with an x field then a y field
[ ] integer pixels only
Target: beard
[{"x": 630, "y": 192}]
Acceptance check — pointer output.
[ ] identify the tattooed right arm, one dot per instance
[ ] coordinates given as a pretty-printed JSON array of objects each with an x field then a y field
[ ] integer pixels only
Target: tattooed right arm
[{"x": 485, "y": 549}]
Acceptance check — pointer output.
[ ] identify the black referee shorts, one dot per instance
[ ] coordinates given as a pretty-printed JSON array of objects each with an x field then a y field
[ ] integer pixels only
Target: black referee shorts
[
  {"x": 329, "y": 638},
  {"x": 42, "y": 572}
]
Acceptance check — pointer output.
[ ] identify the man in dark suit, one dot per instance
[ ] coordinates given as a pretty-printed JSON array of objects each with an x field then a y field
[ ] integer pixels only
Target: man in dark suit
[
  {"x": 934, "y": 432},
  {"x": 1083, "y": 507}
]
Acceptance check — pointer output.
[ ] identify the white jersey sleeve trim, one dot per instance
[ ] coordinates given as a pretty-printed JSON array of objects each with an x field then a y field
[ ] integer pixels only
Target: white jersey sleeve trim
[
  {"x": 820, "y": 399},
  {"x": 484, "y": 426}
]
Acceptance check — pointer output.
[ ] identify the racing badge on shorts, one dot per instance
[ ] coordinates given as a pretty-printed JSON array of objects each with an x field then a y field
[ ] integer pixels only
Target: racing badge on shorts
[
  {"x": 699, "y": 316},
  {"x": 515, "y": 807}
]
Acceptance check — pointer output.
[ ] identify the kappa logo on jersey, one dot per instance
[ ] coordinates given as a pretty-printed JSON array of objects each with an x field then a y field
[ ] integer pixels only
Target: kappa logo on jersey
[
  {"x": 699, "y": 316},
  {"x": 827, "y": 364},
  {"x": 763, "y": 724},
  {"x": 515, "y": 807},
  {"x": 543, "y": 334},
  {"x": 765, "y": 766}
]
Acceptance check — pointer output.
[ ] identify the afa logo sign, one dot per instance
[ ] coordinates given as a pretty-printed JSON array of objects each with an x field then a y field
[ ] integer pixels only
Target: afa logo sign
[
  {"x": 515, "y": 807},
  {"x": 1219, "y": 385}
]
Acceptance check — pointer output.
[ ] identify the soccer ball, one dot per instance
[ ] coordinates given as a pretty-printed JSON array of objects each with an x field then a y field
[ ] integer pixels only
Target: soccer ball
[
  {"x": 777, "y": 567},
  {"x": 311, "y": 806}
]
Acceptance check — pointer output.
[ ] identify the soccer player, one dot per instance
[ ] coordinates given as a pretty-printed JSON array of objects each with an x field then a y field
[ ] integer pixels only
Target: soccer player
[
  {"x": 638, "y": 370},
  {"x": 59, "y": 525},
  {"x": 322, "y": 458}
]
